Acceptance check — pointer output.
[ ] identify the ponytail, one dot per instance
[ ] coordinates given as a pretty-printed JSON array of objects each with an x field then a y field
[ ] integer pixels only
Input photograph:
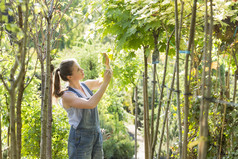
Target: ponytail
[
  {"x": 57, "y": 90},
  {"x": 62, "y": 72}
]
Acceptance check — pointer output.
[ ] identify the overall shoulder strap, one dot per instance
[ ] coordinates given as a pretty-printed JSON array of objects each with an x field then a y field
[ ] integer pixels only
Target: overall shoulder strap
[
  {"x": 72, "y": 90},
  {"x": 89, "y": 91}
]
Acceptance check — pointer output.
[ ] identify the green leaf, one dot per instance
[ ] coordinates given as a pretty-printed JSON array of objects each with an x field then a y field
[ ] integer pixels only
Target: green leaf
[
  {"x": 54, "y": 51},
  {"x": 12, "y": 27},
  {"x": 20, "y": 35},
  {"x": 131, "y": 30},
  {"x": 147, "y": 52},
  {"x": 2, "y": 6},
  {"x": 4, "y": 18}
]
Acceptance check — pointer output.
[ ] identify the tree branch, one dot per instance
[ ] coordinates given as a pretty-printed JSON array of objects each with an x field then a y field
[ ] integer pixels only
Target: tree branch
[
  {"x": 62, "y": 15},
  {"x": 51, "y": 10},
  {"x": 31, "y": 76},
  {"x": 4, "y": 83},
  {"x": 60, "y": 35}
]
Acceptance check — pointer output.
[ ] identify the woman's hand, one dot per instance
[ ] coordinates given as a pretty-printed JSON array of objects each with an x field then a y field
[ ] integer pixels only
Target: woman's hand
[{"x": 106, "y": 61}]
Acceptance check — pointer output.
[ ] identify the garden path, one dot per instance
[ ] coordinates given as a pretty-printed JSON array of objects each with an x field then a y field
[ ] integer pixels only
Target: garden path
[{"x": 140, "y": 140}]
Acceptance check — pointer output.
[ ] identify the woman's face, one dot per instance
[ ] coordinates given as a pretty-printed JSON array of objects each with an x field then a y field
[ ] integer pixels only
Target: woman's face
[{"x": 77, "y": 72}]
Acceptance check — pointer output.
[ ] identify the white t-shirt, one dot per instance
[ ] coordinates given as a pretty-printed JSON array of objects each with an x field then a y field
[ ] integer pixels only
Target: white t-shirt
[{"x": 75, "y": 114}]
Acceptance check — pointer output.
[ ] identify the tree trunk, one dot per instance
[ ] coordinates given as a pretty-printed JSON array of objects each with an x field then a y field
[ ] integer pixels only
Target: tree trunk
[
  {"x": 46, "y": 96},
  {"x": 166, "y": 111},
  {"x": 136, "y": 115},
  {"x": 8, "y": 129},
  {"x": 12, "y": 124},
  {"x": 19, "y": 91},
  {"x": 0, "y": 131},
  {"x": 46, "y": 90},
  {"x": 19, "y": 119},
  {"x": 235, "y": 85},
  {"x": 221, "y": 134},
  {"x": 146, "y": 109},
  {"x": 153, "y": 104},
  {"x": 23, "y": 52},
  {"x": 155, "y": 53},
  {"x": 161, "y": 98},
  {"x": 236, "y": 74},
  {"x": 12, "y": 93},
  {"x": 177, "y": 40},
  {"x": 49, "y": 121},
  {"x": 206, "y": 90},
  {"x": 167, "y": 130},
  {"x": 186, "y": 81},
  {"x": 42, "y": 98},
  {"x": 228, "y": 81},
  {"x": 221, "y": 98},
  {"x": 217, "y": 73}
]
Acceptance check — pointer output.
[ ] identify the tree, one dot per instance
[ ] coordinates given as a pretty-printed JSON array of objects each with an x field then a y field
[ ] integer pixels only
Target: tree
[
  {"x": 45, "y": 31},
  {"x": 186, "y": 79},
  {"x": 177, "y": 43},
  {"x": 114, "y": 23},
  {"x": 206, "y": 89},
  {"x": 18, "y": 39}
]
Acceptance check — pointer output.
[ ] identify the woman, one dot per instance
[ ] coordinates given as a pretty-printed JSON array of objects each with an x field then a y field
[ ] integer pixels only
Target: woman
[{"x": 85, "y": 138}]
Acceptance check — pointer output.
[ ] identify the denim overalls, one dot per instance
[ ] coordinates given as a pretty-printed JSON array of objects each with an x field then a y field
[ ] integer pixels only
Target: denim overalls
[{"x": 85, "y": 142}]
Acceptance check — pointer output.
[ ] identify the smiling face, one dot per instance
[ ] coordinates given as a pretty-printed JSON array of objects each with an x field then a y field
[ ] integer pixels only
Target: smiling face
[{"x": 77, "y": 72}]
